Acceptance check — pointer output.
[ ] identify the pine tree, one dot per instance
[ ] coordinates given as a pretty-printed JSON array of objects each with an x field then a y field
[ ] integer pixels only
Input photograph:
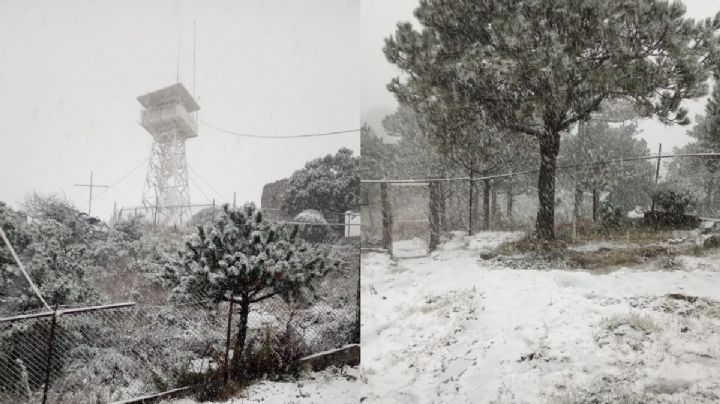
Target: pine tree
[
  {"x": 598, "y": 141},
  {"x": 706, "y": 133},
  {"x": 710, "y": 134},
  {"x": 374, "y": 154},
  {"x": 536, "y": 67},
  {"x": 243, "y": 258}
]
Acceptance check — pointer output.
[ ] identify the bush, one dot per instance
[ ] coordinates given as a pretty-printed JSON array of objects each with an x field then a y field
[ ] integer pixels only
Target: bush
[
  {"x": 675, "y": 201},
  {"x": 262, "y": 358},
  {"x": 107, "y": 376},
  {"x": 610, "y": 215},
  {"x": 291, "y": 344},
  {"x": 316, "y": 230},
  {"x": 272, "y": 352}
]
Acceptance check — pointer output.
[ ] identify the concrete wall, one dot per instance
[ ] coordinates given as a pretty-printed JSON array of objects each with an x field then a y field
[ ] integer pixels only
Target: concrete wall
[{"x": 270, "y": 200}]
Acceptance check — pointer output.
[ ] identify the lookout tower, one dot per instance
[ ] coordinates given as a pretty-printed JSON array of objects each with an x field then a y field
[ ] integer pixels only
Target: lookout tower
[{"x": 167, "y": 115}]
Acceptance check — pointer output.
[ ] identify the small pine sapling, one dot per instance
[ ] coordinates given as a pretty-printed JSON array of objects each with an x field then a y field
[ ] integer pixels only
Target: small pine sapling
[{"x": 244, "y": 258}]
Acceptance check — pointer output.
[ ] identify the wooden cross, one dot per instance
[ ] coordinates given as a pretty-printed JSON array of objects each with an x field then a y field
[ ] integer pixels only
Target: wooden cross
[{"x": 91, "y": 186}]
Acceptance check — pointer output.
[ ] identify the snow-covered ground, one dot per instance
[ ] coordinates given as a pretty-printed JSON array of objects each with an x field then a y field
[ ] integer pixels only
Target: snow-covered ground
[
  {"x": 415, "y": 247},
  {"x": 334, "y": 385},
  {"x": 453, "y": 328}
]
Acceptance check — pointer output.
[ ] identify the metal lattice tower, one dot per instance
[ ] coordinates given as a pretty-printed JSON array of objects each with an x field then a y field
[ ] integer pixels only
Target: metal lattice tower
[{"x": 168, "y": 115}]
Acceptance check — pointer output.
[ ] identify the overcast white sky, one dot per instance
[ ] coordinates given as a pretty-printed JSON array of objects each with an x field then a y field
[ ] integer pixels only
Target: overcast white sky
[
  {"x": 71, "y": 72},
  {"x": 379, "y": 18}
]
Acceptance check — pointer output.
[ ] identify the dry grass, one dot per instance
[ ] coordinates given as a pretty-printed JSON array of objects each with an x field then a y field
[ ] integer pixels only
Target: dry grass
[
  {"x": 640, "y": 322},
  {"x": 530, "y": 244},
  {"x": 610, "y": 395},
  {"x": 557, "y": 250},
  {"x": 638, "y": 245},
  {"x": 631, "y": 232},
  {"x": 613, "y": 258}
]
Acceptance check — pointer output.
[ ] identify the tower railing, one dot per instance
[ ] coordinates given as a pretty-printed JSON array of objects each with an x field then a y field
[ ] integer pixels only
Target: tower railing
[{"x": 154, "y": 116}]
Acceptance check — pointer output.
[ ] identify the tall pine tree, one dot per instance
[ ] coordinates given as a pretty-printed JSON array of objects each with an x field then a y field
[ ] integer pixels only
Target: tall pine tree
[{"x": 536, "y": 67}]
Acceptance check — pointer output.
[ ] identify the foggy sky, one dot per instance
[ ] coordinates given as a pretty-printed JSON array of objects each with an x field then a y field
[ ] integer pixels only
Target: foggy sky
[
  {"x": 379, "y": 18},
  {"x": 71, "y": 72}
]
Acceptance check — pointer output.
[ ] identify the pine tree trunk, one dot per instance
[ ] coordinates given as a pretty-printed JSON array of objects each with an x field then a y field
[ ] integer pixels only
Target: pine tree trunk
[
  {"x": 472, "y": 205},
  {"x": 443, "y": 202},
  {"x": 596, "y": 203},
  {"x": 475, "y": 208},
  {"x": 714, "y": 208},
  {"x": 509, "y": 202},
  {"x": 493, "y": 205},
  {"x": 578, "y": 204},
  {"x": 435, "y": 197},
  {"x": 486, "y": 205},
  {"x": 241, "y": 334},
  {"x": 549, "y": 150},
  {"x": 709, "y": 195}
]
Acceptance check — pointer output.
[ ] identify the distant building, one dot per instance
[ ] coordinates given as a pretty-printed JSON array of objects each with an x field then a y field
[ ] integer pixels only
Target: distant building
[{"x": 271, "y": 200}]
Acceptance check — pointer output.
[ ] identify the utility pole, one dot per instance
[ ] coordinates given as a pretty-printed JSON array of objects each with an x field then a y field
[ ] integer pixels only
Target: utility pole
[{"x": 91, "y": 186}]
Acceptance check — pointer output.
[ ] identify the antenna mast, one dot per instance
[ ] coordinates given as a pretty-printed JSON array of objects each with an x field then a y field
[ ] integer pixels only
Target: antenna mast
[
  {"x": 194, "y": 47},
  {"x": 177, "y": 67},
  {"x": 194, "y": 94}
]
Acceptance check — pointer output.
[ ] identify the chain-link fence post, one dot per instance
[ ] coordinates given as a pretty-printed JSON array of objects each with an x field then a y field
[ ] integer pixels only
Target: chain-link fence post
[
  {"x": 657, "y": 176},
  {"x": 435, "y": 201},
  {"x": 226, "y": 365},
  {"x": 486, "y": 204},
  {"x": 470, "y": 203},
  {"x": 357, "y": 310},
  {"x": 386, "y": 217},
  {"x": 50, "y": 348}
]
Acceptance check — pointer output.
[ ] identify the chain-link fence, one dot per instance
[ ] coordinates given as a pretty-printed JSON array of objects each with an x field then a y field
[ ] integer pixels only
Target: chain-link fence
[
  {"x": 397, "y": 217},
  {"x": 123, "y": 351},
  {"x": 584, "y": 192},
  {"x": 325, "y": 227}
]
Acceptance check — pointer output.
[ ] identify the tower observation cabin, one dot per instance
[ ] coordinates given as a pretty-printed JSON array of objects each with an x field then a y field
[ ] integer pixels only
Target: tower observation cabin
[{"x": 167, "y": 113}]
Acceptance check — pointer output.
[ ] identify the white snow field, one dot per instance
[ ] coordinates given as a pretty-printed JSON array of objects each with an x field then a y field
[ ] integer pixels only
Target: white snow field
[
  {"x": 453, "y": 328},
  {"x": 333, "y": 385}
]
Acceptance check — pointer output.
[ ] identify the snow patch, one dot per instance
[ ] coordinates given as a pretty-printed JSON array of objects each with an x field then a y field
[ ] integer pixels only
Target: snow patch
[
  {"x": 334, "y": 385},
  {"x": 415, "y": 247},
  {"x": 453, "y": 328}
]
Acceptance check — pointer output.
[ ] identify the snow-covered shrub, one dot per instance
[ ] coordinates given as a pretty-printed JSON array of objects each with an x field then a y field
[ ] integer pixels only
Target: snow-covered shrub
[
  {"x": 675, "y": 201},
  {"x": 342, "y": 331},
  {"x": 17, "y": 230},
  {"x": 17, "y": 360},
  {"x": 629, "y": 332},
  {"x": 24, "y": 342},
  {"x": 310, "y": 216},
  {"x": 327, "y": 328},
  {"x": 640, "y": 322},
  {"x": 610, "y": 215},
  {"x": 263, "y": 357},
  {"x": 104, "y": 375},
  {"x": 291, "y": 344},
  {"x": 205, "y": 216},
  {"x": 316, "y": 230}
]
